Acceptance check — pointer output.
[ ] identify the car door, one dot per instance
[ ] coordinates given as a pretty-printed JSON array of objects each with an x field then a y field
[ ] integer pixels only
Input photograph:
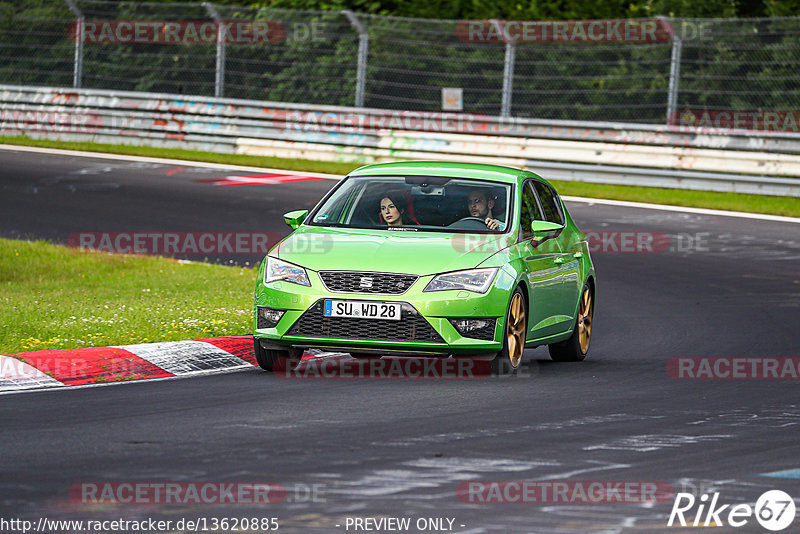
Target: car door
[
  {"x": 539, "y": 255},
  {"x": 568, "y": 263}
]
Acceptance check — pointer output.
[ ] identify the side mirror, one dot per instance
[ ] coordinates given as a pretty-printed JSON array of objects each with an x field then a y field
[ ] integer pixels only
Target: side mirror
[
  {"x": 545, "y": 226},
  {"x": 295, "y": 218}
]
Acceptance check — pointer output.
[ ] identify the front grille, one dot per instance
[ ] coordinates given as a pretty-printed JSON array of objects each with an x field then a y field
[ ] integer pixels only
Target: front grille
[
  {"x": 367, "y": 282},
  {"x": 411, "y": 327}
]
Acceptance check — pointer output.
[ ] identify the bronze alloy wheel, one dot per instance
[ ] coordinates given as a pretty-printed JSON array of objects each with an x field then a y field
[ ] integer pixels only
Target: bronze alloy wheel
[
  {"x": 574, "y": 348},
  {"x": 516, "y": 326},
  {"x": 585, "y": 319}
]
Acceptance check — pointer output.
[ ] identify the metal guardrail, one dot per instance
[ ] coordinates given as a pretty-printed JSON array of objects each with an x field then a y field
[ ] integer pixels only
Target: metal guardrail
[{"x": 593, "y": 152}]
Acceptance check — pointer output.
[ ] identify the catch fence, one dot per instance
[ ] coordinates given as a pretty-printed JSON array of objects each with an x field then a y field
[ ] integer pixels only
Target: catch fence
[{"x": 650, "y": 71}]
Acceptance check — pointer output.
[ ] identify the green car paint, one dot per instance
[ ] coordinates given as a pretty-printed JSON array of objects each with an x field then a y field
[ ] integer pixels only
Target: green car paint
[{"x": 548, "y": 260}]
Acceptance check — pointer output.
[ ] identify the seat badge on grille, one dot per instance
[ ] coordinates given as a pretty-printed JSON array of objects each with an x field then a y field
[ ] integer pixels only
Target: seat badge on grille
[{"x": 366, "y": 282}]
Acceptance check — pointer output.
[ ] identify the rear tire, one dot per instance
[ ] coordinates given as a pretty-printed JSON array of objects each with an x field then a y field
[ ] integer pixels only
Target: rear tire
[
  {"x": 507, "y": 360},
  {"x": 575, "y": 348},
  {"x": 275, "y": 360}
]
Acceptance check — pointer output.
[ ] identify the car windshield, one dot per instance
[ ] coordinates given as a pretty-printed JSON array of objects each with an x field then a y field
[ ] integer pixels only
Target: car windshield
[{"x": 417, "y": 203}]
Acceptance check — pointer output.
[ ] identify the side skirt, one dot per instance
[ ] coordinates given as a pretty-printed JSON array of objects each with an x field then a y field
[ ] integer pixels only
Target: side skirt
[{"x": 555, "y": 338}]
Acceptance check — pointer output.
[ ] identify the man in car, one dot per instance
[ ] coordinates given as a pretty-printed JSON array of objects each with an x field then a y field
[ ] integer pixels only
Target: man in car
[{"x": 480, "y": 204}]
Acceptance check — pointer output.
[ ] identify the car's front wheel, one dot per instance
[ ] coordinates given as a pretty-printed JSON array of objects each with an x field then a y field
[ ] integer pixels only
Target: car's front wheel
[
  {"x": 275, "y": 360},
  {"x": 575, "y": 348},
  {"x": 508, "y": 359}
]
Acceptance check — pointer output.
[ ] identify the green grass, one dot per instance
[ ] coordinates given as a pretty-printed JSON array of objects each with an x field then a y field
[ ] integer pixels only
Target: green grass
[
  {"x": 677, "y": 197},
  {"x": 54, "y": 297}
]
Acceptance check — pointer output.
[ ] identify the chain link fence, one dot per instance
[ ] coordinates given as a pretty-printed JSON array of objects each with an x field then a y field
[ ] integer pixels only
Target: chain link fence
[{"x": 644, "y": 71}]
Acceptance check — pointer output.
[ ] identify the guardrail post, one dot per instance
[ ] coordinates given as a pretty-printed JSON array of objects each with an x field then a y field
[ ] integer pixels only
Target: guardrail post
[
  {"x": 77, "y": 74},
  {"x": 219, "y": 79},
  {"x": 508, "y": 72},
  {"x": 363, "y": 49},
  {"x": 674, "y": 77}
]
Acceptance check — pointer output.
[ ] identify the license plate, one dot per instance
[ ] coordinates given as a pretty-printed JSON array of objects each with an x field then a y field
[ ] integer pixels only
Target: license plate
[{"x": 362, "y": 309}]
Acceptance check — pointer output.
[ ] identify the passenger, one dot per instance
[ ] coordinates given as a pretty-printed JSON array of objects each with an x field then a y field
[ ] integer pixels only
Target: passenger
[
  {"x": 393, "y": 208},
  {"x": 480, "y": 204}
]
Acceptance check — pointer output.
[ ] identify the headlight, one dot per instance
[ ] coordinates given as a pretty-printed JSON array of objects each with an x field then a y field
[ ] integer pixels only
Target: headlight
[
  {"x": 477, "y": 280},
  {"x": 281, "y": 270}
]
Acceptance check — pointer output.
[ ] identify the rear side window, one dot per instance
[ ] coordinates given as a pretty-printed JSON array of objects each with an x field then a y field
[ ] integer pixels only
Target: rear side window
[{"x": 549, "y": 203}]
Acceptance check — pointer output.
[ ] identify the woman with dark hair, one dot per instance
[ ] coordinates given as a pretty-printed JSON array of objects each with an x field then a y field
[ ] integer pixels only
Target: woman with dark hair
[{"x": 393, "y": 208}]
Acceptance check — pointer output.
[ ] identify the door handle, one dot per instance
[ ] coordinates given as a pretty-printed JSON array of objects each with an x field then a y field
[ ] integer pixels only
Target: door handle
[
  {"x": 558, "y": 261},
  {"x": 578, "y": 255}
]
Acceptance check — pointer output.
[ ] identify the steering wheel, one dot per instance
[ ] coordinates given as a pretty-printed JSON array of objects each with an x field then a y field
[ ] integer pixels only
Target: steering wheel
[{"x": 469, "y": 223}]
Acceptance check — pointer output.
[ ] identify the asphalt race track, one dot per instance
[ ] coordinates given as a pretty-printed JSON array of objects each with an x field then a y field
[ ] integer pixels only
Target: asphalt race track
[{"x": 716, "y": 287}]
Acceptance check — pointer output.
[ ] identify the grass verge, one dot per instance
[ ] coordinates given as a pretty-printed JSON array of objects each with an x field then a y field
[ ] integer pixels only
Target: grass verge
[
  {"x": 55, "y": 297},
  {"x": 773, "y": 205}
]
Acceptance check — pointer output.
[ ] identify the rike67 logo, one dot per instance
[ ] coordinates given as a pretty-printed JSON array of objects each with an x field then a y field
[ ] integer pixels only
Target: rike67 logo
[{"x": 774, "y": 510}]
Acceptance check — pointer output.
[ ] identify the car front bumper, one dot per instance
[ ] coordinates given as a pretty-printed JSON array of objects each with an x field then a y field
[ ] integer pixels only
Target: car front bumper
[{"x": 424, "y": 327}]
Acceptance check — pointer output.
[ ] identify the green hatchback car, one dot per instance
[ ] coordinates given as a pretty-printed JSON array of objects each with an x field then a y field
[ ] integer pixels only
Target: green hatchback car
[{"x": 429, "y": 259}]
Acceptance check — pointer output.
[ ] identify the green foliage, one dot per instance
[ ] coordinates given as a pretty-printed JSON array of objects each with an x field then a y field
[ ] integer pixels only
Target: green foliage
[
  {"x": 481, "y": 9},
  {"x": 736, "y": 65}
]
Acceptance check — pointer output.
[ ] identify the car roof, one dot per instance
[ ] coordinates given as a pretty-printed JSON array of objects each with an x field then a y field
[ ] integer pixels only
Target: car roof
[{"x": 497, "y": 173}]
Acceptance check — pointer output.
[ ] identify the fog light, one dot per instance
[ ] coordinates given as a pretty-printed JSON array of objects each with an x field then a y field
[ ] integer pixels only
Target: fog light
[
  {"x": 268, "y": 317},
  {"x": 475, "y": 328}
]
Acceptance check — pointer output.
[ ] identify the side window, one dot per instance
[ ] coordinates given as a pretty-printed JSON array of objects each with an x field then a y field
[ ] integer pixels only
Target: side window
[
  {"x": 530, "y": 210},
  {"x": 549, "y": 203}
]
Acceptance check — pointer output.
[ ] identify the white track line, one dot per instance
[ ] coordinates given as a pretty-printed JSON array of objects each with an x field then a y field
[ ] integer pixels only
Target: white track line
[
  {"x": 165, "y": 161},
  {"x": 621, "y": 203},
  {"x": 683, "y": 209}
]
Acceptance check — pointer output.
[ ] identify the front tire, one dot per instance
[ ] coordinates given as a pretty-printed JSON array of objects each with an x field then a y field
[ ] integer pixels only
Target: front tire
[
  {"x": 575, "y": 348},
  {"x": 507, "y": 360},
  {"x": 274, "y": 360}
]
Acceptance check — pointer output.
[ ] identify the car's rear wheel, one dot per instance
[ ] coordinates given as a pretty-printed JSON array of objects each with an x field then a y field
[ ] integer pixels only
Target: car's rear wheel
[
  {"x": 575, "y": 348},
  {"x": 275, "y": 360},
  {"x": 508, "y": 359}
]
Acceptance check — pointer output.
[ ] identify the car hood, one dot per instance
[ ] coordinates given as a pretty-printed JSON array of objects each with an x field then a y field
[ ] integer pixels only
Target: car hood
[{"x": 419, "y": 253}]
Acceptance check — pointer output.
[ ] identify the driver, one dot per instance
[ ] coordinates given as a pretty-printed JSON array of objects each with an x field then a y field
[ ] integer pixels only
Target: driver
[{"x": 480, "y": 204}]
